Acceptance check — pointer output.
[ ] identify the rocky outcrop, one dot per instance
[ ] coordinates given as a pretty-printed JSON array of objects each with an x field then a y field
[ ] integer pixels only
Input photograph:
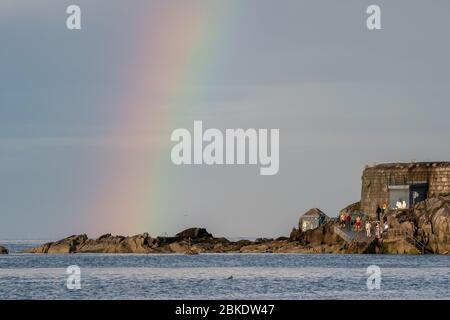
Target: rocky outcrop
[
  {"x": 433, "y": 223},
  {"x": 191, "y": 240},
  {"x": 67, "y": 245},
  {"x": 194, "y": 233},
  {"x": 322, "y": 235},
  {"x": 399, "y": 238},
  {"x": 351, "y": 209},
  {"x": 107, "y": 243},
  {"x": 426, "y": 228},
  {"x": 423, "y": 229},
  {"x": 3, "y": 250}
]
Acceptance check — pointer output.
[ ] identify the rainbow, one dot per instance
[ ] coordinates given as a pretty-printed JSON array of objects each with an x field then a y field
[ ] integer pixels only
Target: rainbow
[{"x": 175, "y": 48}]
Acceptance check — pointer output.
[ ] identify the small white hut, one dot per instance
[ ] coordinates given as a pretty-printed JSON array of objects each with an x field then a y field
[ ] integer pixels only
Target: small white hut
[{"x": 312, "y": 219}]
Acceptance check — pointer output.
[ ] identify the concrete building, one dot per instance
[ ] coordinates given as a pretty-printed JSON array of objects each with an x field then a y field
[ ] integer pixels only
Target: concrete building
[
  {"x": 312, "y": 219},
  {"x": 402, "y": 183}
]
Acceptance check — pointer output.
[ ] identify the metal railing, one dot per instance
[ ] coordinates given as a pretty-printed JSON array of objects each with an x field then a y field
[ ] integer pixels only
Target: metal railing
[{"x": 408, "y": 236}]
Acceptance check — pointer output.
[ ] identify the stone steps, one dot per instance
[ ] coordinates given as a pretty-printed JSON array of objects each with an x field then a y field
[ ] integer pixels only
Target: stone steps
[{"x": 351, "y": 236}]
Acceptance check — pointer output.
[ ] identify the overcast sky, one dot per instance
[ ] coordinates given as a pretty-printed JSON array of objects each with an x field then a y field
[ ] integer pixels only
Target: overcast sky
[{"x": 341, "y": 95}]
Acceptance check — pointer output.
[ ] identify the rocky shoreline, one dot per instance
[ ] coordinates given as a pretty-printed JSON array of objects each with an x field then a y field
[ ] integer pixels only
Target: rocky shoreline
[
  {"x": 422, "y": 229},
  {"x": 189, "y": 241}
]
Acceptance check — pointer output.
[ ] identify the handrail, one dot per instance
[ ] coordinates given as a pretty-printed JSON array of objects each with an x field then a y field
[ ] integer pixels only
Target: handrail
[
  {"x": 411, "y": 237},
  {"x": 416, "y": 241}
]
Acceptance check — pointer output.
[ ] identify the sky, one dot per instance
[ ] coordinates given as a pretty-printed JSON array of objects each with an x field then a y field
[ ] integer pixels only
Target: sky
[{"x": 86, "y": 115}]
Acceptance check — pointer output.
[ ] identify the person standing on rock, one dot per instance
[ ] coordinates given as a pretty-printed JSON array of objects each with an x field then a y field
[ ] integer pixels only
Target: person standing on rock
[
  {"x": 385, "y": 227},
  {"x": 343, "y": 219},
  {"x": 377, "y": 231},
  {"x": 358, "y": 224},
  {"x": 378, "y": 211},
  {"x": 348, "y": 220},
  {"x": 368, "y": 233}
]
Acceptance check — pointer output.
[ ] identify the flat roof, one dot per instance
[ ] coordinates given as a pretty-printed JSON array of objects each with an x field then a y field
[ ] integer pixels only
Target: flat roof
[{"x": 400, "y": 165}]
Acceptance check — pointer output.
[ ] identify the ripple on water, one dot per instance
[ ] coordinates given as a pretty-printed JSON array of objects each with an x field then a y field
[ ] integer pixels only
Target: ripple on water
[{"x": 254, "y": 276}]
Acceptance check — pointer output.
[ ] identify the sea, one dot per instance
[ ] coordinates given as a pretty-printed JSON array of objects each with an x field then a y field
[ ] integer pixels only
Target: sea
[{"x": 221, "y": 276}]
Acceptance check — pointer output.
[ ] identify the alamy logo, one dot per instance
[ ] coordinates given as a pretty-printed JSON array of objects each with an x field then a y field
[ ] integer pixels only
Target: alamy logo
[
  {"x": 373, "y": 21},
  {"x": 73, "y": 21},
  {"x": 374, "y": 280},
  {"x": 237, "y": 146},
  {"x": 74, "y": 278}
]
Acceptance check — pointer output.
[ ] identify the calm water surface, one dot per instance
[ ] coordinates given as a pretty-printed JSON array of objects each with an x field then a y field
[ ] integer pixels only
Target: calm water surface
[{"x": 207, "y": 276}]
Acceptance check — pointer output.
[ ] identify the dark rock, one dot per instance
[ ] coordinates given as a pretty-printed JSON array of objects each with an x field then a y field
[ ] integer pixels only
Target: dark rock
[
  {"x": 105, "y": 236},
  {"x": 422, "y": 229},
  {"x": 67, "y": 245},
  {"x": 295, "y": 235},
  {"x": 194, "y": 233},
  {"x": 321, "y": 235},
  {"x": 221, "y": 240},
  {"x": 432, "y": 223},
  {"x": 243, "y": 242},
  {"x": 166, "y": 240},
  {"x": 107, "y": 243},
  {"x": 3, "y": 250},
  {"x": 263, "y": 240},
  {"x": 353, "y": 208}
]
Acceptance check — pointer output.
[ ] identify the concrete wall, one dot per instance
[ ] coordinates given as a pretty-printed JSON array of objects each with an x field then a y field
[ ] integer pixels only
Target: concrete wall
[{"x": 376, "y": 181}]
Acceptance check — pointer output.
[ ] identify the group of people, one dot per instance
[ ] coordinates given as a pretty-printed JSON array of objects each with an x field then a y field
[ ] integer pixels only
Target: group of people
[
  {"x": 378, "y": 229},
  {"x": 401, "y": 204},
  {"x": 347, "y": 221}
]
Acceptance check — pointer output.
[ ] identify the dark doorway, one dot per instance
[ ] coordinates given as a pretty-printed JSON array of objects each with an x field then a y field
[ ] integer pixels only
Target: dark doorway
[{"x": 418, "y": 193}]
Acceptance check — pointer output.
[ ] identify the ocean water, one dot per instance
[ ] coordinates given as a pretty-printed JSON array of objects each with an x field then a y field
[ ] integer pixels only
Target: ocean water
[{"x": 221, "y": 276}]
